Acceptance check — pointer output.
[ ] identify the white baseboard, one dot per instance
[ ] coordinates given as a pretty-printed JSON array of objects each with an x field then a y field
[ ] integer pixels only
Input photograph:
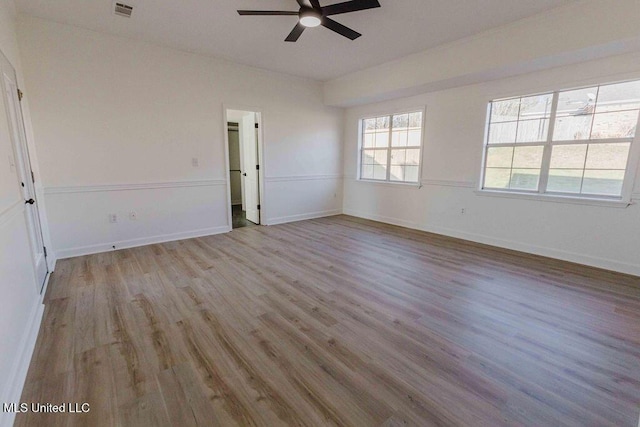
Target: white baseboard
[
  {"x": 123, "y": 244},
  {"x": 51, "y": 261},
  {"x": 302, "y": 217},
  {"x": 18, "y": 375},
  {"x": 589, "y": 260},
  {"x": 385, "y": 219},
  {"x": 44, "y": 288}
]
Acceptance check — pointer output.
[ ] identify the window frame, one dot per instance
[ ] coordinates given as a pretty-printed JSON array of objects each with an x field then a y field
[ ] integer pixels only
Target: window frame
[
  {"x": 389, "y": 148},
  {"x": 633, "y": 160}
]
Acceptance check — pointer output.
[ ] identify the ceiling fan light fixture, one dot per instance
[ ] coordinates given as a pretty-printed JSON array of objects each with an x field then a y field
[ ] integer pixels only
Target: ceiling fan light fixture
[
  {"x": 315, "y": 15},
  {"x": 310, "y": 18}
]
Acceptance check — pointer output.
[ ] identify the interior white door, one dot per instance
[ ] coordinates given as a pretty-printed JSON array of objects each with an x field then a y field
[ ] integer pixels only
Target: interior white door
[
  {"x": 250, "y": 164},
  {"x": 23, "y": 168}
]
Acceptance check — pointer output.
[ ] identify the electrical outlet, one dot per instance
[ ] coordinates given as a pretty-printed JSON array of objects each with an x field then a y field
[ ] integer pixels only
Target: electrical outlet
[
  {"x": 113, "y": 218},
  {"x": 133, "y": 216},
  {"x": 463, "y": 211},
  {"x": 194, "y": 162}
]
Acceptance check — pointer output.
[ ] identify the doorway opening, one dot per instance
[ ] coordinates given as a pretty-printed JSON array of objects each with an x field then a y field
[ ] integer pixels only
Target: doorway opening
[{"x": 244, "y": 159}]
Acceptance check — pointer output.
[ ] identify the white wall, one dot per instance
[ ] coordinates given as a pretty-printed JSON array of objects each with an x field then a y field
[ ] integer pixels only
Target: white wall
[
  {"x": 455, "y": 122},
  {"x": 118, "y": 122},
  {"x": 20, "y": 303}
]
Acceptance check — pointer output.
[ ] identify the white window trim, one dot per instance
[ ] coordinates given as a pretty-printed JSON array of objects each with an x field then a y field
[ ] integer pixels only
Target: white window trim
[
  {"x": 359, "y": 178},
  {"x": 556, "y": 198},
  {"x": 626, "y": 198}
]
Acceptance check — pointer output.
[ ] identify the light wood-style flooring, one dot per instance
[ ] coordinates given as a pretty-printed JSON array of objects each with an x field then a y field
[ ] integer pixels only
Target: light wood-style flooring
[{"x": 336, "y": 321}]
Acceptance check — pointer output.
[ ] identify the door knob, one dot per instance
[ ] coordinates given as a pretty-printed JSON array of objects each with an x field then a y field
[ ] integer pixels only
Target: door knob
[
  {"x": 244, "y": 174},
  {"x": 30, "y": 201}
]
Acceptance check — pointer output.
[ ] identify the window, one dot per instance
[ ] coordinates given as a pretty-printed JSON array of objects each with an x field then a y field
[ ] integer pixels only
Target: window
[
  {"x": 391, "y": 148},
  {"x": 568, "y": 143}
]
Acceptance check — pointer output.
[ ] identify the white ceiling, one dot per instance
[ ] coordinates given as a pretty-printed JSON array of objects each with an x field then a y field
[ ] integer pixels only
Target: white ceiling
[{"x": 212, "y": 27}]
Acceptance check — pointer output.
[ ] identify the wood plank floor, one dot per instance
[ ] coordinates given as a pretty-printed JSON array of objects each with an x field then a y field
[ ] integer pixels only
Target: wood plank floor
[{"x": 336, "y": 321}]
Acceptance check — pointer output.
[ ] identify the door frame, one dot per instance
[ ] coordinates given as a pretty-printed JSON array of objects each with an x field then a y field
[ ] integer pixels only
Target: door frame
[{"x": 261, "y": 172}]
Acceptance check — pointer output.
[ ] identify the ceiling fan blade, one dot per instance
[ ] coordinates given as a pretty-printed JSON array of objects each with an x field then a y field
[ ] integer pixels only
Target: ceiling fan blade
[
  {"x": 349, "y": 6},
  {"x": 295, "y": 33},
  {"x": 315, "y": 4},
  {"x": 267, "y": 12},
  {"x": 340, "y": 29}
]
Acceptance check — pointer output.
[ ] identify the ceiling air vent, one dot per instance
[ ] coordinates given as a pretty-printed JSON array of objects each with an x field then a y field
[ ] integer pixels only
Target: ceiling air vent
[{"x": 122, "y": 9}]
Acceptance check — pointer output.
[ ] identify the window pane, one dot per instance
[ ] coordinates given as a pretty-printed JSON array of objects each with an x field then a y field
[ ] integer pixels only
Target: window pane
[
  {"x": 568, "y": 156},
  {"x": 411, "y": 173},
  {"x": 368, "y": 157},
  {"x": 382, "y": 122},
  {"x": 404, "y": 173},
  {"x": 525, "y": 179},
  {"x": 367, "y": 172},
  {"x": 368, "y": 124},
  {"x": 528, "y": 157},
  {"x": 398, "y": 157},
  {"x": 536, "y": 107},
  {"x": 382, "y": 139},
  {"x": 405, "y": 157},
  {"x": 584, "y": 158},
  {"x": 369, "y": 139},
  {"x": 572, "y": 128},
  {"x": 497, "y": 178},
  {"x": 397, "y": 173},
  {"x": 414, "y": 138},
  {"x": 608, "y": 156},
  {"x": 532, "y": 130},
  {"x": 380, "y": 157},
  {"x": 374, "y": 157},
  {"x": 401, "y": 121},
  {"x": 577, "y": 102},
  {"x": 415, "y": 120},
  {"x": 565, "y": 180},
  {"x": 603, "y": 182},
  {"x": 413, "y": 157},
  {"x": 502, "y": 132},
  {"x": 380, "y": 134},
  {"x": 505, "y": 111},
  {"x": 380, "y": 172},
  {"x": 621, "y": 124},
  {"x": 399, "y": 139},
  {"x": 620, "y": 96},
  {"x": 499, "y": 157}
]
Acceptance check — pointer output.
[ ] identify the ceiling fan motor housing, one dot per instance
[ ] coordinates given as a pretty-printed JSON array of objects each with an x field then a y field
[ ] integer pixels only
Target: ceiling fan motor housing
[{"x": 319, "y": 15}]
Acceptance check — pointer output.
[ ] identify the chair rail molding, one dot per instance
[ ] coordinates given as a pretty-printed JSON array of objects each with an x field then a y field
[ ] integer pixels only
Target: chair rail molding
[
  {"x": 303, "y": 178},
  {"x": 130, "y": 187}
]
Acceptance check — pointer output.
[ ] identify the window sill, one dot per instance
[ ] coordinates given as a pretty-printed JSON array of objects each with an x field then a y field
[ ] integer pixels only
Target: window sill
[
  {"x": 613, "y": 203},
  {"x": 408, "y": 185}
]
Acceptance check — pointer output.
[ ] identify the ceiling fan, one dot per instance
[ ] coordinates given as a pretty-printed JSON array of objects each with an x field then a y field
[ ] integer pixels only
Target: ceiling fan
[{"x": 312, "y": 14}]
